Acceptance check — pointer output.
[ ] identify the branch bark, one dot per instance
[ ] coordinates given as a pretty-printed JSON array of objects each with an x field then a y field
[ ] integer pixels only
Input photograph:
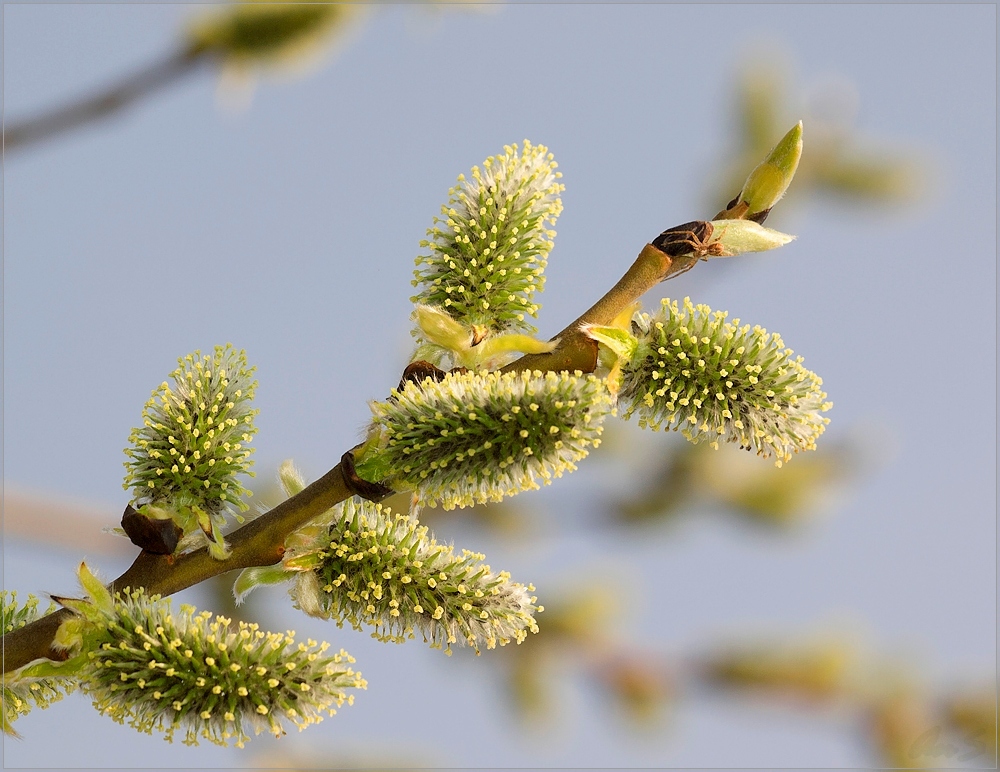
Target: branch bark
[{"x": 261, "y": 541}]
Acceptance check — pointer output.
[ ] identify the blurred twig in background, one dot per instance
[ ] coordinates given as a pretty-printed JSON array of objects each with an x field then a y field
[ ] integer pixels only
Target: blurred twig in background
[
  {"x": 900, "y": 718},
  {"x": 240, "y": 39},
  {"x": 60, "y": 523},
  {"x": 101, "y": 104},
  {"x": 684, "y": 477}
]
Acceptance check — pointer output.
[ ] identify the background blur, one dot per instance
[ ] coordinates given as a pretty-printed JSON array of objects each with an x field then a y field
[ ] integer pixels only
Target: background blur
[{"x": 287, "y": 221}]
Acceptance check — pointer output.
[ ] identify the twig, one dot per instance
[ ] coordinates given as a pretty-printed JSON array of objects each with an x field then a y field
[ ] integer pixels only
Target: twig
[
  {"x": 577, "y": 351},
  {"x": 104, "y": 103},
  {"x": 261, "y": 541}
]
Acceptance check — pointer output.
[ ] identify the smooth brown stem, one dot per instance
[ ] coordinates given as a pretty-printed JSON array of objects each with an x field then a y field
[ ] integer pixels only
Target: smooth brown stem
[
  {"x": 577, "y": 351},
  {"x": 102, "y": 103},
  {"x": 258, "y": 543},
  {"x": 261, "y": 541}
]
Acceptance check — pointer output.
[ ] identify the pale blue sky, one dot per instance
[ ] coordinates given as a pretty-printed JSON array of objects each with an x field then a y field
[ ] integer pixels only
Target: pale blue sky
[{"x": 290, "y": 229}]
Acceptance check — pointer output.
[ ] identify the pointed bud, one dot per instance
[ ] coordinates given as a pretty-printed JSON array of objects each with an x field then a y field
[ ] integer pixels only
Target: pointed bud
[
  {"x": 95, "y": 589},
  {"x": 438, "y": 327},
  {"x": 769, "y": 181},
  {"x": 474, "y": 347},
  {"x": 257, "y": 576},
  {"x": 617, "y": 346},
  {"x": 621, "y": 343},
  {"x": 290, "y": 478}
]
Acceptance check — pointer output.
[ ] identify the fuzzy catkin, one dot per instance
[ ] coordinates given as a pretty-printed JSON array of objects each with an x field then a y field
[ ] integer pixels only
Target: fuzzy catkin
[
  {"x": 192, "y": 445},
  {"x": 489, "y": 248},
  {"x": 157, "y": 670},
  {"x": 20, "y": 694},
  {"x": 473, "y": 438},
  {"x": 372, "y": 568},
  {"x": 712, "y": 379}
]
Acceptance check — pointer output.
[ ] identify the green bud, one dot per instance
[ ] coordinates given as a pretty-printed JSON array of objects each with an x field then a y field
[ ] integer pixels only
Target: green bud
[
  {"x": 621, "y": 343},
  {"x": 257, "y": 576},
  {"x": 453, "y": 344},
  {"x": 769, "y": 181},
  {"x": 372, "y": 568},
  {"x": 712, "y": 379},
  {"x": 439, "y": 328},
  {"x": 95, "y": 589},
  {"x": 186, "y": 459},
  {"x": 617, "y": 346},
  {"x": 290, "y": 478},
  {"x": 489, "y": 247},
  {"x": 477, "y": 437}
]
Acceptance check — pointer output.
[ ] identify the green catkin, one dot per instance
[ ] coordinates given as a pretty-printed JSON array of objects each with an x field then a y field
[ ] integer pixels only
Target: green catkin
[
  {"x": 473, "y": 438},
  {"x": 21, "y": 693},
  {"x": 487, "y": 252},
  {"x": 371, "y": 568},
  {"x": 711, "y": 379},
  {"x": 157, "y": 670},
  {"x": 192, "y": 447}
]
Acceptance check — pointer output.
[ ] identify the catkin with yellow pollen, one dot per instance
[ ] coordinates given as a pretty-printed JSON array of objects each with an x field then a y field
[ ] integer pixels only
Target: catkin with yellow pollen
[
  {"x": 473, "y": 438},
  {"x": 712, "y": 379}
]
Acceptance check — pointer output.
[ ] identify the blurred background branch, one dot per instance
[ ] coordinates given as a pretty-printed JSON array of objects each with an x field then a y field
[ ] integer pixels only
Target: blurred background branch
[
  {"x": 101, "y": 104},
  {"x": 239, "y": 39}
]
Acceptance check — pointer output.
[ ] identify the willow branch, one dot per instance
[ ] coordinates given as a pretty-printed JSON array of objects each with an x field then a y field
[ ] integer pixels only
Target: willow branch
[
  {"x": 103, "y": 103},
  {"x": 577, "y": 351},
  {"x": 261, "y": 541}
]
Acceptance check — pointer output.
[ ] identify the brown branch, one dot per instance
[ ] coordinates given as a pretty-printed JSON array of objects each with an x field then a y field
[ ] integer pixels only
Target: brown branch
[
  {"x": 577, "y": 351},
  {"x": 258, "y": 543},
  {"x": 103, "y": 103},
  {"x": 261, "y": 541}
]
